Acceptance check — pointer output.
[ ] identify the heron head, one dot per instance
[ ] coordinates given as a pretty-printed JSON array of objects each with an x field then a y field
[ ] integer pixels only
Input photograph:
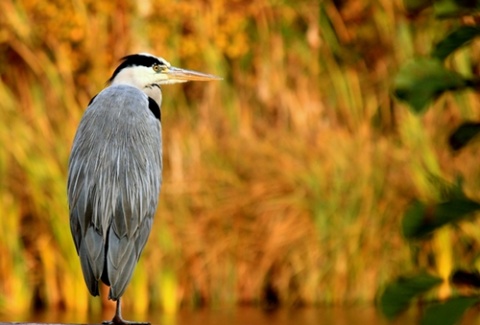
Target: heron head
[{"x": 145, "y": 70}]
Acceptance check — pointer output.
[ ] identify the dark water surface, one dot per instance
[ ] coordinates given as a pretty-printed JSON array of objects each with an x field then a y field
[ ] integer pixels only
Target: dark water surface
[
  {"x": 366, "y": 315},
  {"x": 237, "y": 316}
]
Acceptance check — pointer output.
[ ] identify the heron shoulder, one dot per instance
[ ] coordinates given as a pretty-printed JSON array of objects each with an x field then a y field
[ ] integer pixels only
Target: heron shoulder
[
  {"x": 121, "y": 91},
  {"x": 126, "y": 97}
]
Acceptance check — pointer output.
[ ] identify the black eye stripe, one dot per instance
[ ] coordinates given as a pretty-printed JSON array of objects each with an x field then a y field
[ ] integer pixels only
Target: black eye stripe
[{"x": 136, "y": 60}]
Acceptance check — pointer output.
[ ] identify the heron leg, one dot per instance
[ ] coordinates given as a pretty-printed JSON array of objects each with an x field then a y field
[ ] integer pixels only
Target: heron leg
[{"x": 118, "y": 320}]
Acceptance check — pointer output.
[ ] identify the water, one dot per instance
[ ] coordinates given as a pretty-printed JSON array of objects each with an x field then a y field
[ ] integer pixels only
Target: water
[
  {"x": 237, "y": 316},
  {"x": 363, "y": 315}
]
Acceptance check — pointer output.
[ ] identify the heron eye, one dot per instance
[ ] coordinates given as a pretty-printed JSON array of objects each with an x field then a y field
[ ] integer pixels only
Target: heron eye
[{"x": 157, "y": 67}]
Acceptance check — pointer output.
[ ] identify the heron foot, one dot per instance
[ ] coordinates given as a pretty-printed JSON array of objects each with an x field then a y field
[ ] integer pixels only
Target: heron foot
[{"x": 120, "y": 321}]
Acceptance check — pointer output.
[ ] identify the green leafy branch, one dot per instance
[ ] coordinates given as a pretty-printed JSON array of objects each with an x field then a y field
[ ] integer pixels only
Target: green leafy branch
[{"x": 419, "y": 83}]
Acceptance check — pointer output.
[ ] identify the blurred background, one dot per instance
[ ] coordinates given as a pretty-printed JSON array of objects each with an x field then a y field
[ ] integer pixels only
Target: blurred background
[{"x": 284, "y": 184}]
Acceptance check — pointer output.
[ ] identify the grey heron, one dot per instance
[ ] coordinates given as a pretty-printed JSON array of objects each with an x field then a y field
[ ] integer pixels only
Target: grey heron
[{"x": 115, "y": 171}]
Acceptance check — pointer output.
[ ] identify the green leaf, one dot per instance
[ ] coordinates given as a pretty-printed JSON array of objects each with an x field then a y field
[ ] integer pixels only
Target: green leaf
[
  {"x": 421, "y": 219},
  {"x": 398, "y": 295},
  {"x": 448, "y": 312},
  {"x": 455, "y": 40},
  {"x": 455, "y": 8},
  {"x": 463, "y": 135},
  {"x": 423, "y": 80}
]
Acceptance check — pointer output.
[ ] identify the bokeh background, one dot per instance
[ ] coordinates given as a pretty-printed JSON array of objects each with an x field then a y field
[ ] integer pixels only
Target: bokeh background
[{"x": 284, "y": 183}]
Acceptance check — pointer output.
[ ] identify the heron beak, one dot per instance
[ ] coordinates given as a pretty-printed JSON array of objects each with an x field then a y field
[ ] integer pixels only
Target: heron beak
[{"x": 182, "y": 75}]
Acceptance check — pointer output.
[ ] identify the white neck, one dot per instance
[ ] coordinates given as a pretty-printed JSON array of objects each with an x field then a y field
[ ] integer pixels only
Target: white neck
[
  {"x": 154, "y": 93},
  {"x": 142, "y": 78}
]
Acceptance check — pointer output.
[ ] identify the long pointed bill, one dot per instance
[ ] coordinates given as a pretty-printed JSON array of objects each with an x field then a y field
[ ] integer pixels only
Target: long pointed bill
[{"x": 183, "y": 75}]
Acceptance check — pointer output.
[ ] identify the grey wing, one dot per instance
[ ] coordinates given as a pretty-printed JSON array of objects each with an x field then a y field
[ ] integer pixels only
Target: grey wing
[{"x": 113, "y": 185}]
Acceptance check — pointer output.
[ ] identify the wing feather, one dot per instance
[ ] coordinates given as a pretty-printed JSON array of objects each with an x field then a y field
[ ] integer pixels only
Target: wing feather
[{"x": 113, "y": 185}]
